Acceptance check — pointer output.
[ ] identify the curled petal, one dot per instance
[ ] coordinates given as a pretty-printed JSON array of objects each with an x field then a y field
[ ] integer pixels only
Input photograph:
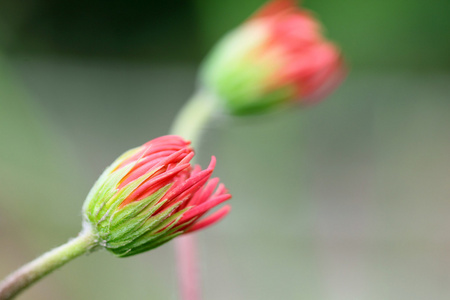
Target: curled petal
[{"x": 210, "y": 220}]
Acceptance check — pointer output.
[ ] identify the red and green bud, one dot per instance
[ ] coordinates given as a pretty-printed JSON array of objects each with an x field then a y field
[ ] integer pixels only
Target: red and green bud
[
  {"x": 278, "y": 57},
  {"x": 152, "y": 194}
]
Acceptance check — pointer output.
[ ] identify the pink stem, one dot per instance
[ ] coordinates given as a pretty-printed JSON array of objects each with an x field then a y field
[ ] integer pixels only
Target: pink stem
[
  {"x": 188, "y": 272},
  {"x": 190, "y": 123}
]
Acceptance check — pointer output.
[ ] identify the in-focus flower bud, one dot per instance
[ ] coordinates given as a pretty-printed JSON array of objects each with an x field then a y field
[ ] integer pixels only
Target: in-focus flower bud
[
  {"x": 279, "y": 56},
  {"x": 150, "y": 195}
]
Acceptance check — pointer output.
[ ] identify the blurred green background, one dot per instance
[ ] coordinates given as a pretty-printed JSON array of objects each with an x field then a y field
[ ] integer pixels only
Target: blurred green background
[{"x": 347, "y": 200}]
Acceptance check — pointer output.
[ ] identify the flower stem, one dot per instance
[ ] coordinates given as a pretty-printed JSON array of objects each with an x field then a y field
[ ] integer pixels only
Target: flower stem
[
  {"x": 189, "y": 124},
  {"x": 194, "y": 116},
  {"x": 188, "y": 267},
  {"x": 46, "y": 263}
]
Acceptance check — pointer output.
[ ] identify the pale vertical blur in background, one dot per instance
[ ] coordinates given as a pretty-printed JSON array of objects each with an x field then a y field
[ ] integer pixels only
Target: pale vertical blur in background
[{"x": 346, "y": 200}]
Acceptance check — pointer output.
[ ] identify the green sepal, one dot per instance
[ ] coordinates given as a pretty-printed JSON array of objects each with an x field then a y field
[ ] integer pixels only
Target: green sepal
[
  {"x": 184, "y": 225},
  {"x": 108, "y": 206},
  {"x": 169, "y": 222},
  {"x": 106, "y": 184},
  {"x": 146, "y": 247},
  {"x": 160, "y": 239},
  {"x": 97, "y": 196},
  {"x": 133, "y": 227},
  {"x": 106, "y": 192},
  {"x": 132, "y": 209},
  {"x": 157, "y": 240},
  {"x": 135, "y": 231},
  {"x": 152, "y": 235},
  {"x": 241, "y": 79}
]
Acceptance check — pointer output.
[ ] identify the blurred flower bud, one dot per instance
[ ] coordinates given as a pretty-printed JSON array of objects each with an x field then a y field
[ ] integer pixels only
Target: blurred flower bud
[
  {"x": 150, "y": 195},
  {"x": 278, "y": 56}
]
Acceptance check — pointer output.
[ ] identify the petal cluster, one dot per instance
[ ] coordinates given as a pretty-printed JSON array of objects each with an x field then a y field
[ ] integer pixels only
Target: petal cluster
[
  {"x": 152, "y": 194},
  {"x": 311, "y": 63},
  {"x": 278, "y": 56}
]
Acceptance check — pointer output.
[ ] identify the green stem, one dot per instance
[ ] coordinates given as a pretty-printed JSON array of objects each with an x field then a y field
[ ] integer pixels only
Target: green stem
[
  {"x": 194, "y": 116},
  {"x": 46, "y": 263}
]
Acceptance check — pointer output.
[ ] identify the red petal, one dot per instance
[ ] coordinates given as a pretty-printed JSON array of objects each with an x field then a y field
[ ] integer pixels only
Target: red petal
[
  {"x": 211, "y": 219},
  {"x": 153, "y": 185},
  {"x": 202, "y": 208}
]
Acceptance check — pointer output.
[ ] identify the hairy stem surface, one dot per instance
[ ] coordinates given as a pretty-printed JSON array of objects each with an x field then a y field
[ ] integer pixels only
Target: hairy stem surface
[{"x": 45, "y": 264}]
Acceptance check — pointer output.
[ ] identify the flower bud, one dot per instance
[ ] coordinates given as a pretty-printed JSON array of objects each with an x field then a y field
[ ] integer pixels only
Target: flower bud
[
  {"x": 277, "y": 57},
  {"x": 150, "y": 195}
]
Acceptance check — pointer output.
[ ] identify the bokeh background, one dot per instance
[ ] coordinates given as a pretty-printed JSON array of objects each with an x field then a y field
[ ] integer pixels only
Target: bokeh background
[{"x": 346, "y": 200}]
